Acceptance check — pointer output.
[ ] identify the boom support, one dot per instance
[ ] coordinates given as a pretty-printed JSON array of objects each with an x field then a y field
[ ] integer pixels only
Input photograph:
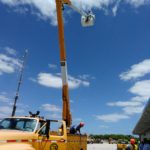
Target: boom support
[
  {"x": 66, "y": 114},
  {"x": 87, "y": 19}
]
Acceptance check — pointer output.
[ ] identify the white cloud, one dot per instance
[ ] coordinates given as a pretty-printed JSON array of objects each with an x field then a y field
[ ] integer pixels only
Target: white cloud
[
  {"x": 140, "y": 98},
  {"x": 75, "y": 120},
  {"x": 5, "y": 111},
  {"x": 137, "y": 3},
  {"x": 4, "y": 98},
  {"x": 55, "y": 81},
  {"x": 137, "y": 71},
  {"x": 112, "y": 117},
  {"x": 8, "y": 64},
  {"x": 71, "y": 101},
  {"x": 124, "y": 103},
  {"x": 2, "y": 116},
  {"x": 21, "y": 10},
  {"x": 115, "y": 8},
  {"x": 75, "y": 83},
  {"x": 133, "y": 110},
  {"x": 104, "y": 126},
  {"x": 54, "y": 116},
  {"x": 52, "y": 66},
  {"x": 49, "y": 80},
  {"x": 134, "y": 106},
  {"x": 96, "y": 4},
  {"x": 32, "y": 79},
  {"x": 86, "y": 77},
  {"x": 141, "y": 88},
  {"x": 10, "y": 50},
  {"x": 45, "y": 9},
  {"x": 50, "y": 108}
]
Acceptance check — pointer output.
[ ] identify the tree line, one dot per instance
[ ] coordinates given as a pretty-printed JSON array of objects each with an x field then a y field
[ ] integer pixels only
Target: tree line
[{"x": 112, "y": 136}]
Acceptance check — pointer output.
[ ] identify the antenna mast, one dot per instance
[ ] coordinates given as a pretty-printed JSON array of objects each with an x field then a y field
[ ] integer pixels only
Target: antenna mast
[{"x": 19, "y": 83}]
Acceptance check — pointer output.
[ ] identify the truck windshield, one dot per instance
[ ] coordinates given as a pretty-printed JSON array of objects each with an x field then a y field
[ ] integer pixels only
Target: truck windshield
[{"x": 23, "y": 124}]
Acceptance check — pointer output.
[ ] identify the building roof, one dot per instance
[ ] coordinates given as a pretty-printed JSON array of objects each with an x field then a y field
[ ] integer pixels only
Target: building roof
[{"x": 143, "y": 125}]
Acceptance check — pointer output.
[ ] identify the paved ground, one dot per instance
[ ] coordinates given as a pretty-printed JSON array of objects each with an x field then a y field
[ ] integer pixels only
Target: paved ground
[{"x": 102, "y": 147}]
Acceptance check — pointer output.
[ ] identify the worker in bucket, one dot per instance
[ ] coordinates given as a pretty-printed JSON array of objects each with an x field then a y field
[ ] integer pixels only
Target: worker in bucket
[{"x": 132, "y": 145}]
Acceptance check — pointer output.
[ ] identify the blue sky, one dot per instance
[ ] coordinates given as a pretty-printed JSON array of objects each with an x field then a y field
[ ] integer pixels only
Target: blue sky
[{"x": 108, "y": 64}]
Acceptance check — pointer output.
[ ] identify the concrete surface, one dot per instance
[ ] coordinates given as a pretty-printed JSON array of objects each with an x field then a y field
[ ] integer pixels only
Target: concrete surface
[{"x": 102, "y": 147}]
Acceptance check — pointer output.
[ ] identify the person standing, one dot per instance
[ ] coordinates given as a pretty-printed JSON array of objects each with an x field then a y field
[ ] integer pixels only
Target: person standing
[
  {"x": 132, "y": 145},
  {"x": 146, "y": 145},
  {"x": 141, "y": 145}
]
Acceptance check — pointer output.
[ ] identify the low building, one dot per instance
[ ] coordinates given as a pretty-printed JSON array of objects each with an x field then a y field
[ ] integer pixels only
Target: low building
[{"x": 142, "y": 128}]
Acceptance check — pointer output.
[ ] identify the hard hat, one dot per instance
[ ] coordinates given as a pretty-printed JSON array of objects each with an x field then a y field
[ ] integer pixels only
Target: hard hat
[
  {"x": 81, "y": 124},
  {"x": 132, "y": 141}
]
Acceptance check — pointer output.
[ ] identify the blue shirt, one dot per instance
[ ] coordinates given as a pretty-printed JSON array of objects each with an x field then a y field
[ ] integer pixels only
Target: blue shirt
[{"x": 146, "y": 147}]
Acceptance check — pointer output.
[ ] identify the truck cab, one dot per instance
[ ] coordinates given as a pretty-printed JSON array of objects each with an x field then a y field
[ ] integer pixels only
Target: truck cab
[{"x": 32, "y": 133}]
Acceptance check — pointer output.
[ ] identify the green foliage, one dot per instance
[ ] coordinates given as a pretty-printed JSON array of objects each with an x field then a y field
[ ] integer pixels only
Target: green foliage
[{"x": 113, "y": 136}]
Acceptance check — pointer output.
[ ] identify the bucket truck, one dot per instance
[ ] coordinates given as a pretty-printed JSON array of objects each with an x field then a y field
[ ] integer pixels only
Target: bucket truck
[{"x": 34, "y": 132}]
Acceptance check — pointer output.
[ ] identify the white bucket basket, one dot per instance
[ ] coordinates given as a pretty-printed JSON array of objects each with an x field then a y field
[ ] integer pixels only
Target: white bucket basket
[{"x": 88, "y": 20}]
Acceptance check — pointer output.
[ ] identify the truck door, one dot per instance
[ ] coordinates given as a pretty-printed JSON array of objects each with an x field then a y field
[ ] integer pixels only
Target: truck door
[{"x": 56, "y": 139}]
